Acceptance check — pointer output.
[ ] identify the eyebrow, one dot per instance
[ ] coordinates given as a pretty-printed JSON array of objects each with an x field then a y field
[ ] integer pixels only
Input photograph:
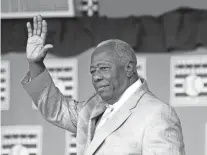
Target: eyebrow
[{"x": 100, "y": 64}]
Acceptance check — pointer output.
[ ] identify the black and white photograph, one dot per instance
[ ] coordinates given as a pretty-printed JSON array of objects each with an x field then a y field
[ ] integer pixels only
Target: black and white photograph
[{"x": 103, "y": 77}]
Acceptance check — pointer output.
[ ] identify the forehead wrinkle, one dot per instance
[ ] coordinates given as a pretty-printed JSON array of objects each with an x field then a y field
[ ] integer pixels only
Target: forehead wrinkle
[{"x": 101, "y": 63}]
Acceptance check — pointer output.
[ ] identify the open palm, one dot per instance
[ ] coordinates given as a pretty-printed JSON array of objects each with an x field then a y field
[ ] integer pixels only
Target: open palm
[{"x": 36, "y": 48}]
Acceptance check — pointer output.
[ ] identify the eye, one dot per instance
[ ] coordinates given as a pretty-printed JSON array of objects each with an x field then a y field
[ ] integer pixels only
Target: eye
[
  {"x": 92, "y": 71},
  {"x": 104, "y": 68}
]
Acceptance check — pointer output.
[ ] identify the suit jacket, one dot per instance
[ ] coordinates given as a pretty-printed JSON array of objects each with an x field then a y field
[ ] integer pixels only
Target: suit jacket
[{"x": 144, "y": 125}]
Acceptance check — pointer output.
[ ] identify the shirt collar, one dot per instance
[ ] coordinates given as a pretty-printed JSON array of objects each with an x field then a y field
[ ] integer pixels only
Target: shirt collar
[
  {"x": 130, "y": 90},
  {"x": 128, "y": 93}
]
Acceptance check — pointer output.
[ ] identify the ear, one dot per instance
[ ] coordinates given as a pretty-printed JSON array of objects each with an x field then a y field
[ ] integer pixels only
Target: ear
[{"x": 129, "y": 68}]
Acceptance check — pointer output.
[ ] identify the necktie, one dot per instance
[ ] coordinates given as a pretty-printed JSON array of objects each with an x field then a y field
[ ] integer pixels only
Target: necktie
[{"x": 104, "y": 118}]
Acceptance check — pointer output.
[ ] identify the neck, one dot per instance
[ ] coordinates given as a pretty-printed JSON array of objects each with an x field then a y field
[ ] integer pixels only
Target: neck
[
  {"x": 132, "y": 80},
  {"x": 112, "y": 101}
]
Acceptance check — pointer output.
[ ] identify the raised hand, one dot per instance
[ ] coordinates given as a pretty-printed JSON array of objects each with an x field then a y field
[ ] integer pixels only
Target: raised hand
[{"x": 36, "y": 48}]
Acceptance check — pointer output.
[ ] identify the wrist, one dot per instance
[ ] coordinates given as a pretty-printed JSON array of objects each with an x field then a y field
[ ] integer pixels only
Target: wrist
[{"x": 36, "y": 68}]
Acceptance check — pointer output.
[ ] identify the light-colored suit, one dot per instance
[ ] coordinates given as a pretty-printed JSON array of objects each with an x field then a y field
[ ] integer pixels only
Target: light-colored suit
[{"x": 144, "y": 125}]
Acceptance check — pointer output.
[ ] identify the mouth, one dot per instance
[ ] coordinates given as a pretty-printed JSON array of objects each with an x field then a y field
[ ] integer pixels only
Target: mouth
[{"x": 101, "y": 88}]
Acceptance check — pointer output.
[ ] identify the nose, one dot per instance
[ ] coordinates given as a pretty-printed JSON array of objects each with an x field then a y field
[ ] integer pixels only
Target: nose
[{"x": 97, "y": 77}]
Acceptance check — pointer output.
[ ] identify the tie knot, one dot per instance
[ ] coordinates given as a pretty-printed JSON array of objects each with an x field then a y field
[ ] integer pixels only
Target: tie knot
[{"x": 109, "y": 107}]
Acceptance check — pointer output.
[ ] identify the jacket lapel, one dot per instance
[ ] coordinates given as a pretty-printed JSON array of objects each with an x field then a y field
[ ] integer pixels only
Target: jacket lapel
[
  {"x": 97, "y": 111},
  {"x": 116, "y": 121},
  {"x": 104, "y": 131}
]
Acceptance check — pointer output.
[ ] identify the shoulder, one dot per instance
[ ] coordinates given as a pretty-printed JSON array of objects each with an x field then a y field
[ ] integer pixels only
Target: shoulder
[
  {"x": 89, "y": 103},
  {"x": 156, "y": 110}
]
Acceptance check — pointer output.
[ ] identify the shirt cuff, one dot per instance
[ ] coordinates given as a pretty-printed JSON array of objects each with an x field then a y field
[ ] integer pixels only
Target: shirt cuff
[{"x": 26, "y": 79}]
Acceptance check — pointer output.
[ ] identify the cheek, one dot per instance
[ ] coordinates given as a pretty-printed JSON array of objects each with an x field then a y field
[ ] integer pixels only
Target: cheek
[
  {"x": 118, "y": 79},
  {"x": 92, "y": 80},
  {"x": 114, "y": 82}
]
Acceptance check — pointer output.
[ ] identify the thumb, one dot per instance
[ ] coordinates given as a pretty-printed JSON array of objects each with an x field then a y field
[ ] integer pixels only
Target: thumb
[{"x": 46, "y": 48}]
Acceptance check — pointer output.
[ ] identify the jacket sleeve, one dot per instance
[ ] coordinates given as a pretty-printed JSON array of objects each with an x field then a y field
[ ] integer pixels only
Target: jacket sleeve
[
  {"x": 163, "y": 136},
  {"x": 55, "y": 108}
]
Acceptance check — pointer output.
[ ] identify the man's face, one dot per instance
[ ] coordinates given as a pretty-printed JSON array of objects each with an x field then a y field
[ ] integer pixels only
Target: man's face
[{"x": 108, "y": 76}]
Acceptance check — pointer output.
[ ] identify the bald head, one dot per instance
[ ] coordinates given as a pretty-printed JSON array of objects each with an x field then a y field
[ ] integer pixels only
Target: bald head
[{"x": 121, "y": 50}]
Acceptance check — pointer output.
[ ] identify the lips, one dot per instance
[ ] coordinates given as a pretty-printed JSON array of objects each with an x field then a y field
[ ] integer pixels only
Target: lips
[{"x": 100, "y": 88}]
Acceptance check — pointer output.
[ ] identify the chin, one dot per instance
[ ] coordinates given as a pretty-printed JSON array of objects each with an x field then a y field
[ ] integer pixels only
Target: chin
[{"x": 105, "y": 96}]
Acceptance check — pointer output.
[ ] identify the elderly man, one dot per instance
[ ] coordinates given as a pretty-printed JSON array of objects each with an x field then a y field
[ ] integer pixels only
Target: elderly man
[{"x": 122, "y": 118}]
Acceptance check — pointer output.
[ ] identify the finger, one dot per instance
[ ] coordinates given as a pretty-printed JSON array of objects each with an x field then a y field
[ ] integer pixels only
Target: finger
[
  {"x": 39, "y": 25},
  {"x": 35, "y": 25},
  {"x": 29, "y": 29},
  {"x": 44, "y": 30},
  {"x": 46, "y": 48}
]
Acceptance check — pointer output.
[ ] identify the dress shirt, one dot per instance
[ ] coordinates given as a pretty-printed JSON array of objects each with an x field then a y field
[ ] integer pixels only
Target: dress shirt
[{"x": 111, "y": 109}]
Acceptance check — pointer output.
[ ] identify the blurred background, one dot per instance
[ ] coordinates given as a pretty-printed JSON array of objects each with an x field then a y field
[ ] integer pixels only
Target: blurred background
[{"x": 168, "y": 36}]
